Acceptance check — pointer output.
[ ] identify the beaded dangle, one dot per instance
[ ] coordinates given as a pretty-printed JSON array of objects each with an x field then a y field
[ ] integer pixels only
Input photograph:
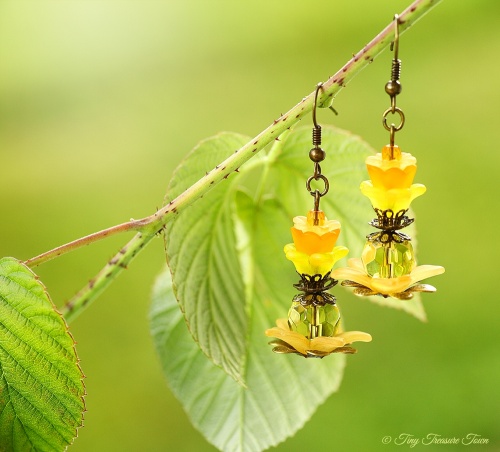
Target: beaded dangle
[
  {"x": 313, "y": 327},
  {"x": 387, "y": 266}
]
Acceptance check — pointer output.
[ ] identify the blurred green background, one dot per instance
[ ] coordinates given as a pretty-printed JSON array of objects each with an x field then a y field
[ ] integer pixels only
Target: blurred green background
[{"x": 100, "y": 100}]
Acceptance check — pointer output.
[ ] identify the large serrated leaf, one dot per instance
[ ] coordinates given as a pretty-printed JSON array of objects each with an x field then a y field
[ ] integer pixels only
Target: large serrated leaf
[
  {"x": 232, "y": 281},
  {"x": 200, "y": 247},
  {"x": 41, "y": 383}
]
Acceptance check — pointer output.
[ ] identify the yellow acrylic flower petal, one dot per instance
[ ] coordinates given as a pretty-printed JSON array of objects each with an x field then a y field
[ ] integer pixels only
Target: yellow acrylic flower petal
[
  {"x": 318, "y": 263},
  {"x": 310, "y": 242},
  {"x": 325, "y": 343},
  {"x": 392, "y": 178},
  {"x": 417, "y": 190},
  {"x": 300, "y": 260},
  {"x": 352, "y": 274},
  {"x": 306, "y": 224},
  {"x": 425, "y": 271},
  {"x": 296, "y": 340},
  {"x": 339, "y": 252},
  {"x": 355, "y": 336},
  {"x": 384, "y": 161},
  {"x": 395, "y": 199},
  {"x": 387, "y": 286}
]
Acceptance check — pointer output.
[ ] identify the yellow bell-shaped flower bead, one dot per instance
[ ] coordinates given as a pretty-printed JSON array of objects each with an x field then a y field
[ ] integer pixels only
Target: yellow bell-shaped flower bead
[
  {"x": 391, "y": 176},
  {"x": 313, "y": 264}
]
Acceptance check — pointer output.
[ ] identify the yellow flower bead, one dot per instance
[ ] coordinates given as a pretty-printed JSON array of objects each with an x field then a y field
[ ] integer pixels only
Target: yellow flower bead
[
  {"x": 317, "y": 263},
  {"x": 391, "y": 173},
  {"x": 322, "y": 345},
  {"x": 395, "y": 199}
]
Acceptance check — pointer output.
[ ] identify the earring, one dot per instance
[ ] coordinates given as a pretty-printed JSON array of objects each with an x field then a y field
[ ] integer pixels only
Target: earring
[
  {"x": 387, "y": 266},
  {"x": 313, "y": 327}
]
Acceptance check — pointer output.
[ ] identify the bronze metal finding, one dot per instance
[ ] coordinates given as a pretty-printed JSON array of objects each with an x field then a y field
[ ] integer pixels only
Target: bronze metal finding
[{"x": 393, "y": 87}]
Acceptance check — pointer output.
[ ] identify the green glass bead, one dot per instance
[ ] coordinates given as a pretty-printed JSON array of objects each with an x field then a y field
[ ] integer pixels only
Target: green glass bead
[
  {"x": 313, "y": 321},
  {"x": 388, "y": 260}
]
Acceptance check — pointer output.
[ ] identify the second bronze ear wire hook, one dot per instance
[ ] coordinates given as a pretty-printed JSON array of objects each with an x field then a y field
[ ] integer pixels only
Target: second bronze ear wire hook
[
  {"x": 317, "y": 155},
  {"x": 393, "y": 88}
]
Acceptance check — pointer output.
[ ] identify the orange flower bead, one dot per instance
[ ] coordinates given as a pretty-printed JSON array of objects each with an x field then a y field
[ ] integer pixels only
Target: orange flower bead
[
  {"x": 396, "y": 172},
  {"x": 310, "y": 238}
]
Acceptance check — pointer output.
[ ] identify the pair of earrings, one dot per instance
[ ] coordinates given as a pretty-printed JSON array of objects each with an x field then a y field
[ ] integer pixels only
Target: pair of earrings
[{"x": 387, "y": 265}]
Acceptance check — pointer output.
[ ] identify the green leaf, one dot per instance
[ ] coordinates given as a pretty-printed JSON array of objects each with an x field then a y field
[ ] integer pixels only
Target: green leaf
[
  {"x": 41, "y": 386},
  {"x": 201, "y": 252}
]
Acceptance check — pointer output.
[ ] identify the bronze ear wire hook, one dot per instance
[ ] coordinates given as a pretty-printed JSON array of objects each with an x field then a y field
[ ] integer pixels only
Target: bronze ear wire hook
[
  {"x": 317, "y": 155},
  {"x": 393, "y": 88}
]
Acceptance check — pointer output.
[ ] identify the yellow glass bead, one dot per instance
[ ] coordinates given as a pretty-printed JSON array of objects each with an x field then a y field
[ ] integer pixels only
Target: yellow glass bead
[
  {"x": 391, "y": 152},
  {"x": 314, "y": 321},
  {"x": 388, "y": 260}
]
